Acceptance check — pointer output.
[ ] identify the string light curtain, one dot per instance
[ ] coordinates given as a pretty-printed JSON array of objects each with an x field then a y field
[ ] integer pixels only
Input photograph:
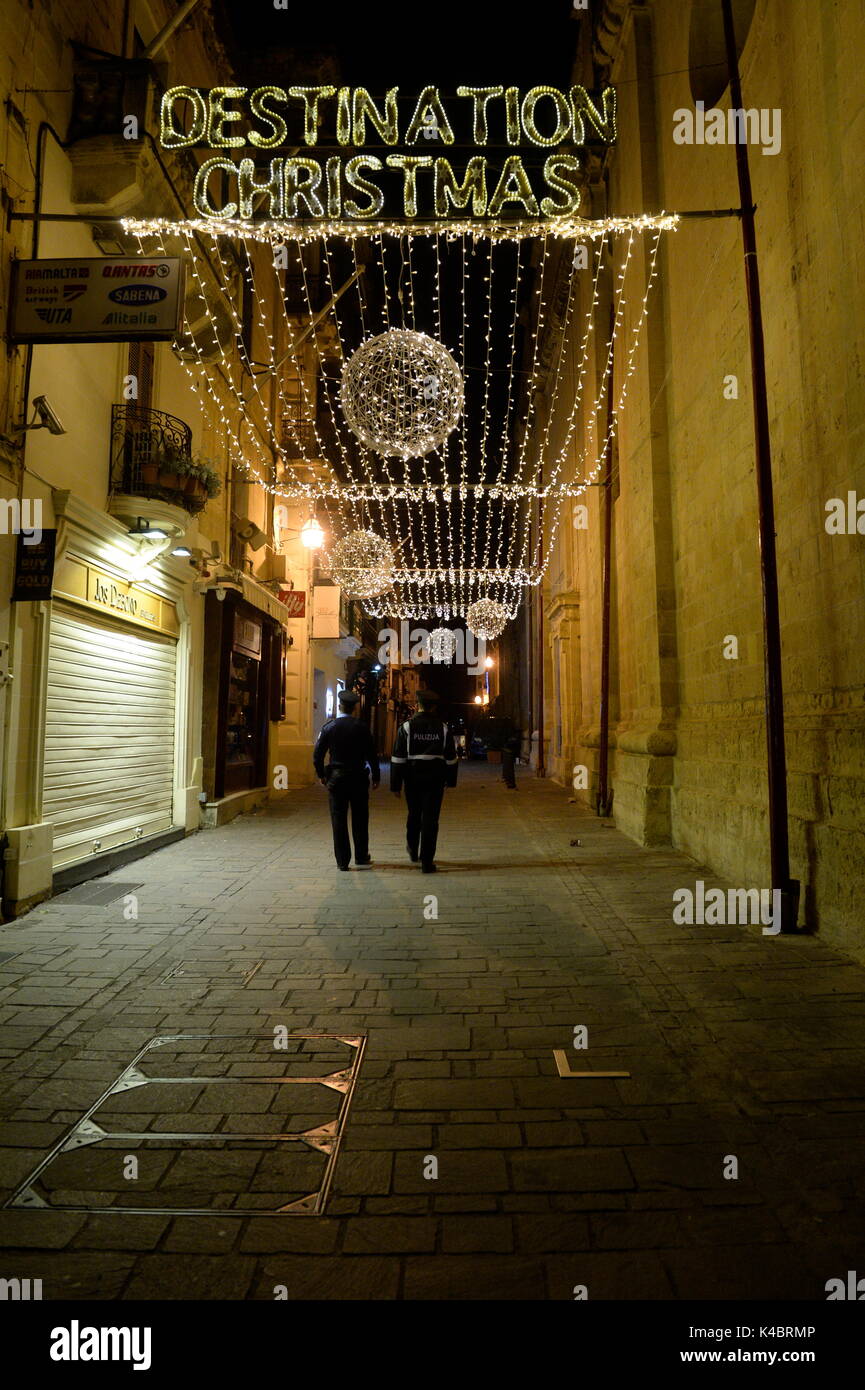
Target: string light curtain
[{"x": 453, "y": 510}]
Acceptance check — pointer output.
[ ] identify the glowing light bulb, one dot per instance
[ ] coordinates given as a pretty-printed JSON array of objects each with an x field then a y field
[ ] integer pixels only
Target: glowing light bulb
[
  {"x": 478, "y": 700},
  {"x": 311, "y": 534}
]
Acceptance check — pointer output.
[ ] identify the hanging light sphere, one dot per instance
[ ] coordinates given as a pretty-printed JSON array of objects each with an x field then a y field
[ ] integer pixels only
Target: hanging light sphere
[
  {"x": 402, "y": 393},
  {"x": 442, "y": 646},
  {"x": 362, "y": 564},
  {"x": 486, "y": 619}
]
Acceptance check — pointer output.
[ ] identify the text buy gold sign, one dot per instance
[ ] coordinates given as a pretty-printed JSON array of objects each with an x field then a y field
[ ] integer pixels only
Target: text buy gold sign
[{"x": 489, "y": 153}]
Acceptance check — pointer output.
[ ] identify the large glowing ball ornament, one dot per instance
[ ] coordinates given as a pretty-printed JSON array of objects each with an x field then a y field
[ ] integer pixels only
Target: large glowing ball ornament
[
  {"x": 442, "y": 645},
  {"x": 486, "y": 619},
  {"x": 362, "y": 564},
  {"x": 402, "y": 393}
]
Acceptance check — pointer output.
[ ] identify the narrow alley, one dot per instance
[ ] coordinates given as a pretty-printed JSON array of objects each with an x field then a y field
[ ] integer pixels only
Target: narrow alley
[{"x": 727, "y": 1165}]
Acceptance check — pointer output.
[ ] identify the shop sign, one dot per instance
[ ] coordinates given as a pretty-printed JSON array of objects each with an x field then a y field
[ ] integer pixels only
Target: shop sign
[
  {"x": 84, "y": 583},
  {"x": 325, "y": 610},
  {"x": 34, "y": 566},
  {"x": 95, "y": 299},
  {"x": 295, "y": 602}
]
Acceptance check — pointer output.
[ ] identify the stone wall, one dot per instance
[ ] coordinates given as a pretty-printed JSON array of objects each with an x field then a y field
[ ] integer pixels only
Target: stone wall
[{"x": 690, "y": 762}]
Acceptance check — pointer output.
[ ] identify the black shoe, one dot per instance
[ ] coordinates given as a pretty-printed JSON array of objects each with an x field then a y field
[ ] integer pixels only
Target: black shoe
[
  {"x": 413, "y": 854},
  {"x": 343, "y": 867},
  {"x": 430, "y": 869},
  {"x": 363, "y": 861}
]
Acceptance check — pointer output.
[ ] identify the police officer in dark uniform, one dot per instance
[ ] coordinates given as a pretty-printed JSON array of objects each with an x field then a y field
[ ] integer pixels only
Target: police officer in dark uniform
[
  {"x": 349, "y": 743},
  {"x": 424, "y": 761}
]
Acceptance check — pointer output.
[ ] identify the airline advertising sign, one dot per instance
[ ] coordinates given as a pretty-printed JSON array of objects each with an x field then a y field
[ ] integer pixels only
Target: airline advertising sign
[{"x": 97, "y": 299}]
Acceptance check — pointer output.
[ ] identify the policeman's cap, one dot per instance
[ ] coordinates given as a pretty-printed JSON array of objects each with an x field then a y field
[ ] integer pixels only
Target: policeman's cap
[
  {"x": 427, "y": 697},
  {"x": 348, "y": 699}
]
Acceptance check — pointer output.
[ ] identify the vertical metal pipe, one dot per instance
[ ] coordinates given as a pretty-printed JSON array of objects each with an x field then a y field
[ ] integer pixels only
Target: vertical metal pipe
[
  {"x": 530, "y": 642},
  {"x": 542, "y": 765},
  {"x": 779, "y": 842},
  {"x": 602, "y": 804}
]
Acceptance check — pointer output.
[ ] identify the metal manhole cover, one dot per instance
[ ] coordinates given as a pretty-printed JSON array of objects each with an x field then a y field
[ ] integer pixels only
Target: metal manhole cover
[
  {"x": 203, "y": 970},
  {"x": 96, "y": 893},
  {"x": 6, "y": 956},
  {"x": 231, "y": 1124}
]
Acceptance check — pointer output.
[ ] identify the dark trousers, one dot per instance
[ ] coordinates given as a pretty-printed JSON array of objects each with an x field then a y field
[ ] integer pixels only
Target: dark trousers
[
  {"x": 423, "y": 794},
  {"x": 349, "y": 791},
  {"x": 508, "y": 761}
]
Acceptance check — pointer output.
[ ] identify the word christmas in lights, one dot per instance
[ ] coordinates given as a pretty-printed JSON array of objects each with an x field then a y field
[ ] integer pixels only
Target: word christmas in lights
[{"x": 352, "y": 185}]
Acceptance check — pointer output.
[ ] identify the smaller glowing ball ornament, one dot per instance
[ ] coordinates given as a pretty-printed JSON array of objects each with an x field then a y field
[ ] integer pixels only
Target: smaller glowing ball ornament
[
  {"x": 486, "y": 619},
  {"x": 362, "y": 564},
  {"x": 442, "y": 645},
  {"x": 402, "y": 393}
]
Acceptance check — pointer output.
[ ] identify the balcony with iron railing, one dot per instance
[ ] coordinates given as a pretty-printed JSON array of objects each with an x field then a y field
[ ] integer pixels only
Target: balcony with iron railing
[{"x": 151, "y": 458}]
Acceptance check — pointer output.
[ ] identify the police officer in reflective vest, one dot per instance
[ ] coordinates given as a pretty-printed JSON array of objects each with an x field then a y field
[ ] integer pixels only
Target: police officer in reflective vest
[
  {"x": 349, "y": 742},
  {"x": 424, "y": 761}
]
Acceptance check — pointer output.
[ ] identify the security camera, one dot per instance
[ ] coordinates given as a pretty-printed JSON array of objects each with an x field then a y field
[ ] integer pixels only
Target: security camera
[
  {"x": 47, "y": 416},
  {"x": 247, "y": 531}
]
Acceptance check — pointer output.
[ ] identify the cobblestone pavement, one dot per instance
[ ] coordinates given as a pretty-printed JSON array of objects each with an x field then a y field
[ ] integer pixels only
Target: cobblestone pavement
[{"x": 739, "y": 1047}]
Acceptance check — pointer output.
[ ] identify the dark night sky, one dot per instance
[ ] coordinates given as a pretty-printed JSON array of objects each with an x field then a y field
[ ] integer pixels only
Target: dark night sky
[
  {"x": 378, "y": 45},
  {"x": 381, "y": 45}
]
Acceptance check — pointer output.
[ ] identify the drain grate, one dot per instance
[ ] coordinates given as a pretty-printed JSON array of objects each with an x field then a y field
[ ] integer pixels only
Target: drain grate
[
  {"x": 6, "y": 956},
  {"x": 278, "y": 1111},
  {"x": 97, "y": 892},
  {"x": 235, "y": 972}
]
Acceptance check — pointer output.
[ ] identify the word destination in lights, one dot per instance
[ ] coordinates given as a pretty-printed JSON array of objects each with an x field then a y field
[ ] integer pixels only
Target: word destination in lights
[{"x": 353, "y": 185}]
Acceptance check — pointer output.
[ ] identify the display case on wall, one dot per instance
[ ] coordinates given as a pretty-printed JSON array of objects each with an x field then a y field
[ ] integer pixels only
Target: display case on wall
[
  {"x": 244, "y": 656},
  {"x": 241, "y": 733}
]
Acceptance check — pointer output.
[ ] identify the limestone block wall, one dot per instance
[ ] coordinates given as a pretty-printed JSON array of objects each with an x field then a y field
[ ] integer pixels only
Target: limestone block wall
[{"x": 689, "y": 756}]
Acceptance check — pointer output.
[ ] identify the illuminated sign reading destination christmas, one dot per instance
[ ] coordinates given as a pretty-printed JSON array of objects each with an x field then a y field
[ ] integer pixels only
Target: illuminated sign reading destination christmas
[{"x": 428, "y": 183}]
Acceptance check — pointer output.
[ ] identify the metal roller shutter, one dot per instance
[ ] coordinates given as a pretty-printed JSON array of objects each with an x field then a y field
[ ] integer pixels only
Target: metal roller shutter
[{"x": 109, "y": 741}]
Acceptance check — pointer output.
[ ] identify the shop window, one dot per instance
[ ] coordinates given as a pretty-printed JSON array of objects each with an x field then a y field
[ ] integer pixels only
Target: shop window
[{"x": 707, "y": 56}]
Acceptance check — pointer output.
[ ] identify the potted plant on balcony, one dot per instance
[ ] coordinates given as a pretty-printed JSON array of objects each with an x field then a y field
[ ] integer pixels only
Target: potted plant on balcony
[
  {"x": 148, "y": 469},
  {"x": 173, "y": 465},
  {"x": 210, "y": 478},
  {"x": 192, "y": 481}
]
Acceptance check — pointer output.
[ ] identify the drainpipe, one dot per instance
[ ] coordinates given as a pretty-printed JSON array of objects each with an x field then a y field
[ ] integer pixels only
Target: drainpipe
[
  {"x": 603, "y": 803},
  {"x": 541, "y": 770},
  {"x": 779, "y": 841}
]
